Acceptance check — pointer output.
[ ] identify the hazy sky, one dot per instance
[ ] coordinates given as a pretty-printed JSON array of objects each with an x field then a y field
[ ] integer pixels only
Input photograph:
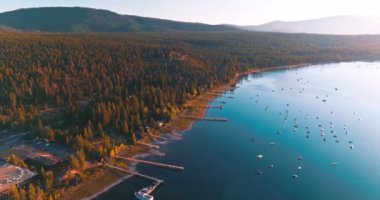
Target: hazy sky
[{"x": 240, "y": 12}]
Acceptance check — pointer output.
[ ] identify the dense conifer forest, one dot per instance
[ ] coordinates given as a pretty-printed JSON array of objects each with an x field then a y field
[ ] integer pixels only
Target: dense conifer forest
[
  {"x": 91, "y": 91},
  {"x": 98, "y": 84}
]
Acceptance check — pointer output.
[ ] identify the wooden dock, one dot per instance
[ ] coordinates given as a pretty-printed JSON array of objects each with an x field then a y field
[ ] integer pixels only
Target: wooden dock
[
  {"x": 157, "y": 181},
  {"x": 151, "y": 178},
  {"x": 206, "y": 106},
  {"x": 155, "y": 186},
  {"x": 148, "y": 145},
  {"x": 215, "y": 93},
  {"x": 216, "y": 101},
  {"x": 175, "y": 134},
  {"x": 174, "y": 167},
  {"x": 204, "y": 118},
  {"x": 158, "y": 137}
]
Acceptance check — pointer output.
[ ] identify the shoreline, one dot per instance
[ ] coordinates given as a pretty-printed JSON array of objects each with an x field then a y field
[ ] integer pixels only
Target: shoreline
[
  {"x": 106, "y": 189},
  {"x": 121, "y": 179},
  {"x": 182, "y": 125}
]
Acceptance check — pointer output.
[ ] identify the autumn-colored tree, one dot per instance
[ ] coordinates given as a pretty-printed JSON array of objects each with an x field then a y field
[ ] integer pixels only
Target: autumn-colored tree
[
  {"x": 74, "y": 163},
  {"x": 31, "y": 192},
  {"x": 15, "y": 195}
]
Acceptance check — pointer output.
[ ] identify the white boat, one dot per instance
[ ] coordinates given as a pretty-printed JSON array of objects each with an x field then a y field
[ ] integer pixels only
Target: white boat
[
  {"x": 260, "y": 156},
  {"x": 294, "y": 176},
  {"x": 143, "y": 194},
  {"x": 334, "y": 164}
]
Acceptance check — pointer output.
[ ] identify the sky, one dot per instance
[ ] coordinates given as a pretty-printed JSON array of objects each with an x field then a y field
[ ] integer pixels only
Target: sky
[{"x": 239, "y": 12}]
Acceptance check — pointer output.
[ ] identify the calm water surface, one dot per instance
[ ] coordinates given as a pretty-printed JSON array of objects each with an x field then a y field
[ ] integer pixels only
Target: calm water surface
[{"x": 295, "y": 109}]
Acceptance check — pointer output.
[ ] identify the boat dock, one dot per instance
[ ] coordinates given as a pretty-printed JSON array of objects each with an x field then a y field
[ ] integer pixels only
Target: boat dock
[
  {"x": 206, "y": 99},
  {"x": 174, "y": 167},
  {"x": 206, "y": 106},
  {"x": 151, "y": 178},
  {"x": 148, "y": 145},
  {"x": 158, "y": 137},
  {"x": 152, "y": 188},
  {"x": 215, "y": 93},
  {"x": 204, "y": 118}
]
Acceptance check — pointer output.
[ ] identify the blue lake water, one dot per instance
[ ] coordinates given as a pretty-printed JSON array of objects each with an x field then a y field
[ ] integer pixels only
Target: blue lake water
[{"x": 317, "y": 102}]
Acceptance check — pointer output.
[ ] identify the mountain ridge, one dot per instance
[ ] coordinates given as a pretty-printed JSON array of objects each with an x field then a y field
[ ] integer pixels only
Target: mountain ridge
[
  {"x": 335, "y": 25},
  {"x": 80, "y": 19}
]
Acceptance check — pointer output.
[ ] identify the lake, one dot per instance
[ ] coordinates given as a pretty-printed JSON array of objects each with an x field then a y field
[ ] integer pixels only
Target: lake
[{"x": 317, "y": 128}]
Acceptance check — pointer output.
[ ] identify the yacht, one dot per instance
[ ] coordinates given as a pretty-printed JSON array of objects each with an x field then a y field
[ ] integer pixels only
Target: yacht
[
  {"x": 260, "y": 156},
  {"x": 143, "y": 194}
]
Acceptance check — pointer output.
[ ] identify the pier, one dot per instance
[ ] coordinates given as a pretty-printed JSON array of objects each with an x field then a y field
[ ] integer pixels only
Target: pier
[
  {"x": 152, "y": 188},
  {"x": 148, "y": 145},
  {"x": 175, "y": 134},
  {"x": 215, "y": 93},
  {"x": 148, "y": 190},
  {"x": 173, "y": 127},
  {"x": 204, "y": 118},
  {"x": 151, "y": 178},
  {"x": 206, "y": 99},
  {"x": 158, "y": 137},
  {"x": 206, "y": 106},
  {"x": 174, "y": 167}
]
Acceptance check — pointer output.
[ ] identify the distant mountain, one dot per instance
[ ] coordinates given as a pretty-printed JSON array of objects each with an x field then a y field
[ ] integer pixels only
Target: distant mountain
[
  {"x": 339, "y": 25},
  {"x": 76, "y": 19}
]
